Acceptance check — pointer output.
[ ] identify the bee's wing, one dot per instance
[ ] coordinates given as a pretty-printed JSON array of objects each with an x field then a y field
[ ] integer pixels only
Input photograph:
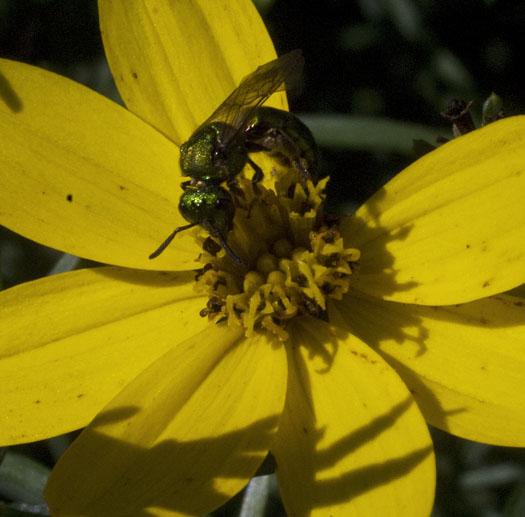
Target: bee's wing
[{"x": 277, "y": 75}]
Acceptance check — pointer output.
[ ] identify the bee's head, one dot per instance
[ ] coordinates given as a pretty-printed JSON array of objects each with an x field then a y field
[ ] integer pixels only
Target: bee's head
[{"x": 210, "y": 206}]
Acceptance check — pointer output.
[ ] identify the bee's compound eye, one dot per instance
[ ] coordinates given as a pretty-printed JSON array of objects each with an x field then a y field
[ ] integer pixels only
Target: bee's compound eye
[
  {"x": 218, "y": 153},
  {"x": 222, "y": 203}
]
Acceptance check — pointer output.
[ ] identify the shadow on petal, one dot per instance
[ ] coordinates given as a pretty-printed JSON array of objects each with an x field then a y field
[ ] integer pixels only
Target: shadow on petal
[
  {"x": 192, "y": 477},
  {"x": 9, "y": 96},
  {"x": 362, "y": 435},
  {"x": 377, "y": 264},
  {"x": 349, "y": 430},
  {"x": 367, "y": 478}
]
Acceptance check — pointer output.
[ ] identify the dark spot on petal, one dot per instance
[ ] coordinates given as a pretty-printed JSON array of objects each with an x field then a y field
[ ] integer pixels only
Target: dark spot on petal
[
  {"x": 38, "y": 401},
  {"x": 80, "y": 395},
  {"x": 467, "y": 246},
  {"x": 363, "y": 356},
  {"x": 122, "y": 187},
  {"x": 134, "y": 75},
  {"x": 486, "y": 283},
  {"x": 69, "y": 197},
  {"x": 483, "y": 320}
]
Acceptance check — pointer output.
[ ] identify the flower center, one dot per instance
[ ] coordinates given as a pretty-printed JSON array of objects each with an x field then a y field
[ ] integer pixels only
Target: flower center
[{"x": 294, "y": 255}]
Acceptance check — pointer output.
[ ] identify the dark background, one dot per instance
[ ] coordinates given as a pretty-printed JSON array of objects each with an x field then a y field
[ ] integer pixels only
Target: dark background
[{"x": 372, "y": 66}]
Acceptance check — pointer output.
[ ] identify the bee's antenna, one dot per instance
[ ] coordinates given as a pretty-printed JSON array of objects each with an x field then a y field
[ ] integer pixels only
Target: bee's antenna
[
  {"x": 238, "y": 260},
  {"x": 171, "y": 236}
]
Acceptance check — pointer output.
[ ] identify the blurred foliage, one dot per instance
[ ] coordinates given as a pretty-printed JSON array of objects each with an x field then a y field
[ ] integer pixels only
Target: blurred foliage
[{"x": 378, "y": 75}]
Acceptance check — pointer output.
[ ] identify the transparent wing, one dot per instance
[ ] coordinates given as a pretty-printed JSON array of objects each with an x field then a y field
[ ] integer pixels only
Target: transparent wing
[{"x": 277, "y": 75}]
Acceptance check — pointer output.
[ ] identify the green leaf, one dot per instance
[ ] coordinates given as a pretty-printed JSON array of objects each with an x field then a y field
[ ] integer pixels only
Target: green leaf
[
  {"x": 363, "y": 133},
  {"x": 22, "y": 479},
  {"x": 23, "y": 510}
]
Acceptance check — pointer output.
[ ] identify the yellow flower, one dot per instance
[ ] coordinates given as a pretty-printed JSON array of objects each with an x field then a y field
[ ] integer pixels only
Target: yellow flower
[{"x": 186, "y": 409}]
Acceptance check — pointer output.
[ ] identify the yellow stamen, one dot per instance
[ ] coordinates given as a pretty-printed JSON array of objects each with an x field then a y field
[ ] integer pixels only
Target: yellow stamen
[{"x": 296, "y": 261}]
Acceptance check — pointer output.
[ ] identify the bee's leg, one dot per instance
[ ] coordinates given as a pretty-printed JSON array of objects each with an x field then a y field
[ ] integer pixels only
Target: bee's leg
[
  {"x": 238, "y": 260},
  {"x": 234, "y": 188},
  {"x": 284, "y": 148},
  {"x": 171, "y": 236},
  {"x": 258, "y": 173},
  {"x": 290, "y": 152}
]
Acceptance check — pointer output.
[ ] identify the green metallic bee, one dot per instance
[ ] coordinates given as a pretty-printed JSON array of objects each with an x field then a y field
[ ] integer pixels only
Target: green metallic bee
[{"x": 219, "y": 149}]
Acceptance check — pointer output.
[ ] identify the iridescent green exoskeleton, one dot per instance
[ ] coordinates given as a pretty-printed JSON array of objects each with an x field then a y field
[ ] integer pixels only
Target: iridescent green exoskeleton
[{"x": 219, "y": 149}]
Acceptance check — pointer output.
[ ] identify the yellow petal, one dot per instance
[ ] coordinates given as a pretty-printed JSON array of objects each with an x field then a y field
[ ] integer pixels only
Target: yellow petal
[
  {"x": 451, "y": 227},
  {"x": 351, "y": 440},
  {"x": 175, "y": 62},
  {"x": 183, "y": 437},
  {"x": 68, "y": 343},
  {"x": 82, "y": 174},
  {"x": 464, "y": 364}
]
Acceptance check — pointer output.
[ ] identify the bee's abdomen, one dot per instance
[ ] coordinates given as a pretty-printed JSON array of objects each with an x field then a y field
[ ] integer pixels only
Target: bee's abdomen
[{"x": 284, "y": 137}]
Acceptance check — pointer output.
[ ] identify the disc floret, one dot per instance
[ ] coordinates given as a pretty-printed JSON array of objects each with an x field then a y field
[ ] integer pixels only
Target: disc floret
[{"x": 295, "y": 259}]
